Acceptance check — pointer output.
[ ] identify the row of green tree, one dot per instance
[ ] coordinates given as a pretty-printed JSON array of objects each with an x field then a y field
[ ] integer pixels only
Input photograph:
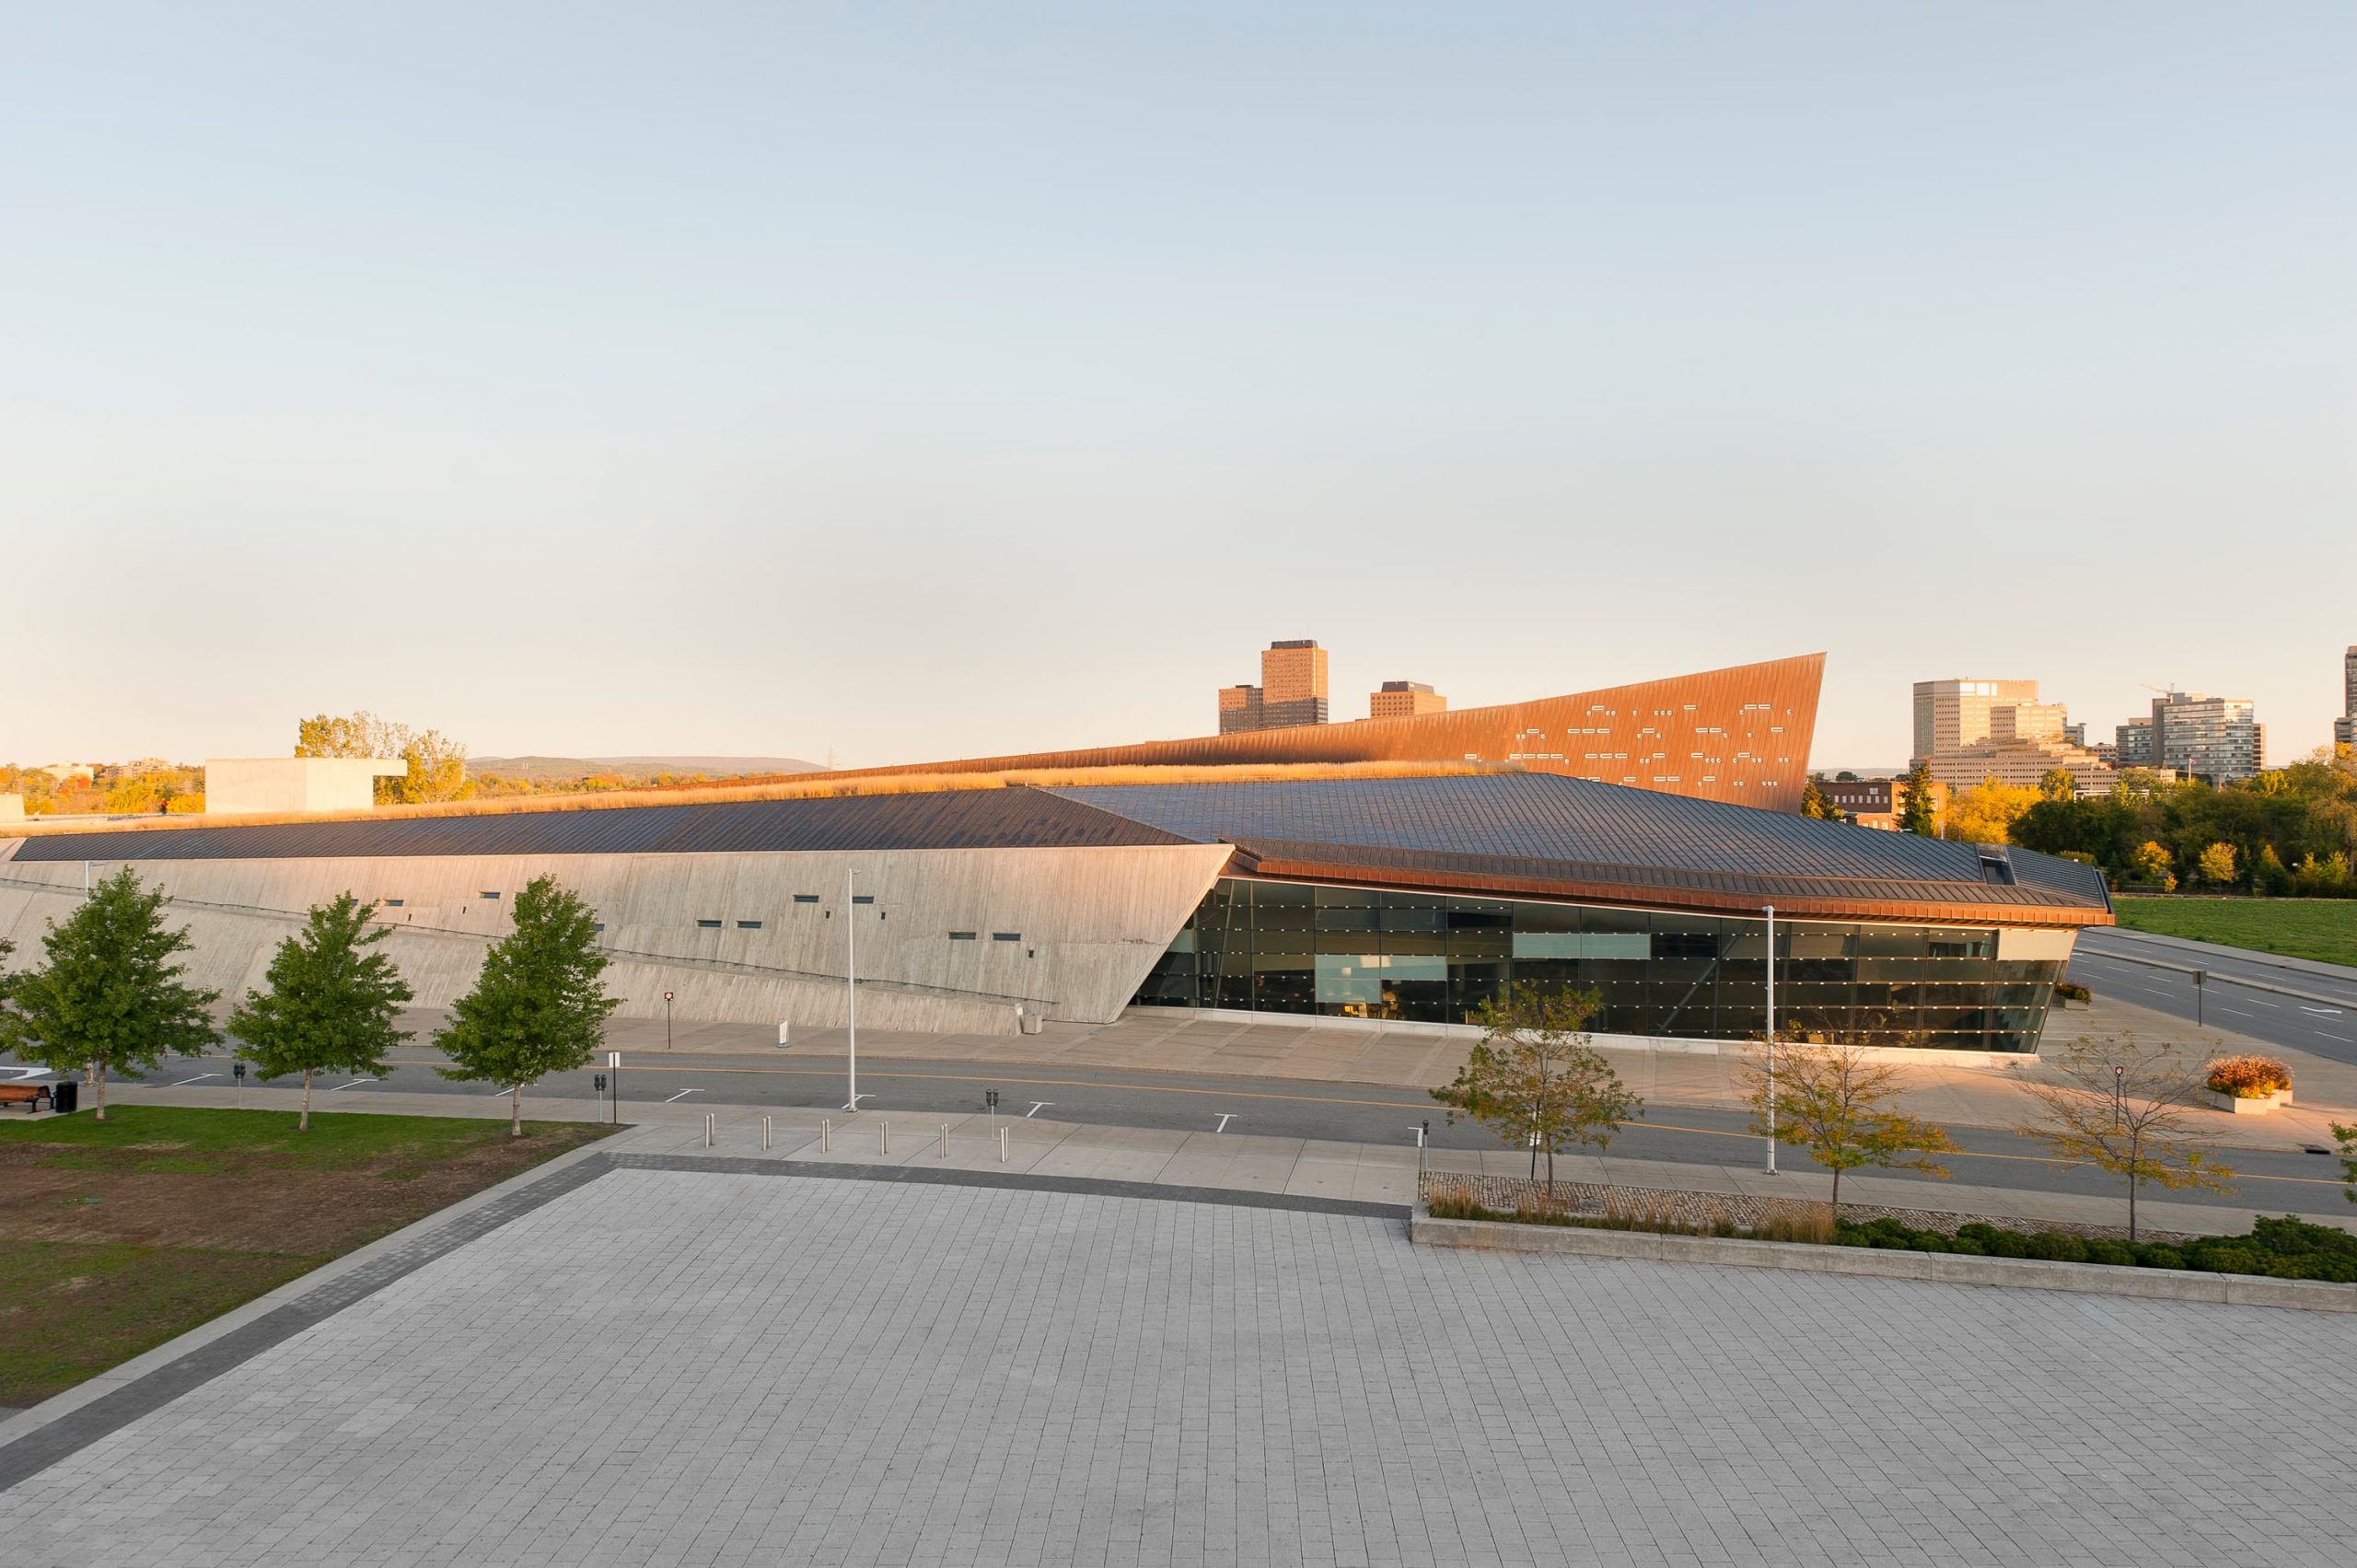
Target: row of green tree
[
  {"x": 2120, "y": 1105},
  {"x": 112, "y": 996},
  {"x": 2289, "y": 830}
]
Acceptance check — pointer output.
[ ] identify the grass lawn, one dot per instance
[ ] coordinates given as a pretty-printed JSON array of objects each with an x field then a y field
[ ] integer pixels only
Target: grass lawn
[
  {"x": 2323, "y": 929},
  {"x": 117, "y": 1236}
]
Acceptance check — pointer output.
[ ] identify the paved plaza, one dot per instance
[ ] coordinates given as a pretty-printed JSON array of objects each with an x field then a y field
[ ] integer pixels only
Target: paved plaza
[{"x": 713, "y": 1368}]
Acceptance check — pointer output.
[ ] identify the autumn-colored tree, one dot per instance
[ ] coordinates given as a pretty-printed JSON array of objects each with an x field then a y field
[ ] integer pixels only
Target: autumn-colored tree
[
  {"x": 1918, "y": 810},
  {"x": 332, "y": 1002},
  {"x": 1986, "y": 813},
  {"x": 110, "y": 997},
  {"x": 2216, "y": 865},
  {"x": 1814, "y": 804},
  {"x": 2060, "y": 783},
  {"x": 1835, "y": 1101},
  {"x": 438, "y": 765},
  {"x": 2152, "y": 862},
  {"x": 1534, "y": 1079},
  {"x": 2125, "y": 1108}
]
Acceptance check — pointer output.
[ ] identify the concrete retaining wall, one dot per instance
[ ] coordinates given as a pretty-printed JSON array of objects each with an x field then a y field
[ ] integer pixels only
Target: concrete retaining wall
[{"x": 1947, "y": 1268}]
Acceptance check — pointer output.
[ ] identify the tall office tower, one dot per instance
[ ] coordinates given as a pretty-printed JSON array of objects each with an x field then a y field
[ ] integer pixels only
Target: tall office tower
[
  {"x": 2137, "y": 746},
  {"x": 1973, "y": 730},
  {"x": 2218, "y": 739},
  {"x": 1404, "y": 699},
  {"x": 1293, "y": 684},
  {"x": 2344, "y": 729},
  {"x": 1239, "y": 709},
  {"x": 1291, "y": 691},
  {"x": 1953, "y": 715}
]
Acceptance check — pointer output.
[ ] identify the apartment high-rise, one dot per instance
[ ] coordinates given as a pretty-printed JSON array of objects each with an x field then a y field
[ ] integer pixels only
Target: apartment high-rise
[
  {"x": 2344, "y": 728},
  {"x": 2218, "y": 739},
  {"x": 1291, "y": 691},
  {"x": 2139, "y": 745},
  {"x": 1404, "y": 699}
]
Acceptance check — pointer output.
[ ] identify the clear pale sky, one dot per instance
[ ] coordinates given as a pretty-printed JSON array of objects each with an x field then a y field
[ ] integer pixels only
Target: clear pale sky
[{"x": 924, "y": 381}]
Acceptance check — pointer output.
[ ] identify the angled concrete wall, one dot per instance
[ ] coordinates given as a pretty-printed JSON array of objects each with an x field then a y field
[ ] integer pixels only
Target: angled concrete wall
[{"x": 1088, "y": 923}]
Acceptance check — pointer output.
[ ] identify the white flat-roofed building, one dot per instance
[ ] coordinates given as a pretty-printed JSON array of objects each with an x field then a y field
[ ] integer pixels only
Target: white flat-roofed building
[{"x": 251, "y": 786}]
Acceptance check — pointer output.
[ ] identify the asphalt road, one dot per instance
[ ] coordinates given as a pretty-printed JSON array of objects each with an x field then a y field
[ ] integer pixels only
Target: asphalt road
[
  {"x": 2326, "y": 1027},
  {"x": 1273, "y": 1107}
]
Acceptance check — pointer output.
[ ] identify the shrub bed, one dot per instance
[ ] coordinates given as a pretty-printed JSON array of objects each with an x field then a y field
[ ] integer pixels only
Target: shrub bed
[{"x": 2285, "y": 1248}]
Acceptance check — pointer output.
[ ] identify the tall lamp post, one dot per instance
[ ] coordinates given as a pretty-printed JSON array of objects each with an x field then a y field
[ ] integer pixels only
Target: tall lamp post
[
  {"x": 1770, "y": 910},
  {"x": 666, "y": 1020},
  {"x": 851, "y": 987}
]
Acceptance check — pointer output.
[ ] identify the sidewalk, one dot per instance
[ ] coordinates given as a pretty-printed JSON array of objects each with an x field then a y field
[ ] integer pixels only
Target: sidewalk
[{"x": 1379, "y": 1173}]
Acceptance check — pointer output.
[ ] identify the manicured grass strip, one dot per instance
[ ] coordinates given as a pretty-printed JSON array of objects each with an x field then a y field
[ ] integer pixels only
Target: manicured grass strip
[
  {"x": 70, "y": 1310},
  {"x": 2322, "y": 929},
  {"x": 181, "y": 1135}
]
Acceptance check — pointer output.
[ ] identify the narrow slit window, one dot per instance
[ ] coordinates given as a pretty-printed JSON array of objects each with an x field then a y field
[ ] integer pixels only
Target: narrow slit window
[
  {"x": 862, "y": 898},
  {"x": 748, "y": 925},
  {"x": 961, "y": 935},
  {"x": 1007, "y": 936},
  {"x": 707, "y": 925},
  {"x": 393, "y": 903},
  {"x": 806, "y": 897},
  {"x": 491, "y": 896}
]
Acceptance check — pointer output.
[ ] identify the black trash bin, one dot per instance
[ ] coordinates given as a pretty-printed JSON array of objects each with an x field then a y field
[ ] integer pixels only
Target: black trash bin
[{"x": 65, "y": 1095}]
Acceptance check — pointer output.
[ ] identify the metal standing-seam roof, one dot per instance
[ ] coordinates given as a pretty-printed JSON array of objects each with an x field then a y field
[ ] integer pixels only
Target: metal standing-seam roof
[
  {"x": 1534, "y": 835},
  {"x": 1545, "y": 834},
  {"x": 973, "y": 818}
]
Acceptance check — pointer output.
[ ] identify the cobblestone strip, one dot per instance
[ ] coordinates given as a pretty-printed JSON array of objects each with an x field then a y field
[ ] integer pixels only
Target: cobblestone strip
[{"x": 39, "y": 1449}]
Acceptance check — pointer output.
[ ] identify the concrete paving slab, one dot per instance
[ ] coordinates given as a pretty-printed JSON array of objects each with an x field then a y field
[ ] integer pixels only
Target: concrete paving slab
[{"x": 652, "y": 1369}]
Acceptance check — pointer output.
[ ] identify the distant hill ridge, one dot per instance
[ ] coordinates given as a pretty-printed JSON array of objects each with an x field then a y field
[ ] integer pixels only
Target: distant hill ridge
[{"x": 545, "y": 768}]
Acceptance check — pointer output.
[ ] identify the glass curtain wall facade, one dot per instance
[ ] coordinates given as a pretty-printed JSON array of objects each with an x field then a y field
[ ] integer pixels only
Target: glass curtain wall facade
[{"x": 1358, "y": 952}]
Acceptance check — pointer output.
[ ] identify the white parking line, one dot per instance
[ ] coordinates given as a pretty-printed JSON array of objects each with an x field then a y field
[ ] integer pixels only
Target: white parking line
[
  {"x": 684, "y": 1094},
  {"x": 1036, "y": 1106},
  {"x": 357, "y": 1082},
  {"x": 176, "y": 1084},
  {"x": 1223, "y": 1122}
]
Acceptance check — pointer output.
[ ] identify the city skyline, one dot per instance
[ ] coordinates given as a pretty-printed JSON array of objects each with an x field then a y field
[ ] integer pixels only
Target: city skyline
[{"x": 833, "y": 390}]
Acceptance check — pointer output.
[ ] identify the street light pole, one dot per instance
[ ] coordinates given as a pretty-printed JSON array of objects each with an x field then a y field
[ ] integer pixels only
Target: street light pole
[
  {"x": 666, "y": 1020},
  {"x": 1772, "y": 1037},
  {"x": 851, "y": 988}
]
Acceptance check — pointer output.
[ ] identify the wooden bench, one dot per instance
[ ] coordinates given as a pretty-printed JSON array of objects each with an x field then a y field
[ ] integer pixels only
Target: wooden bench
[{"x": 32, "y": 1095}]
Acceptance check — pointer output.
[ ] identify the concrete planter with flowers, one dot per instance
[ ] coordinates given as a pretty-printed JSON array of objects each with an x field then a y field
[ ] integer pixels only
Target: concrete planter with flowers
[{"x": 2247, "y": 1086}]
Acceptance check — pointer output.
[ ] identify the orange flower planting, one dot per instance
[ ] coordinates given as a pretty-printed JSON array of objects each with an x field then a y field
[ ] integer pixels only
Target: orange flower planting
[{"x": 2249, "y": 1077}]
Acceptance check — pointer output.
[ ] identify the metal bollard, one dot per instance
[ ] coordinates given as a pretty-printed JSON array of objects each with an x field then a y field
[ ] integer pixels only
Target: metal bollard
[
  {"x": 883, "y": 1137},
  {"x": 945, "y": 1140},
  {"x": 707, "y": 1129},
  {"x": 769, "y": 1131},
  {"x": 1001, "y": 1145},
  {"x": 825, "y": 1137}
]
